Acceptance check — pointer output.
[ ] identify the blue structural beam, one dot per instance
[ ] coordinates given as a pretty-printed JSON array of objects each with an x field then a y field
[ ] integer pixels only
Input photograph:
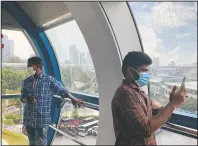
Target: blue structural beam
[
  {"x": 184, "y": 119},
  {"x": 43, "y": 47},
  {"x": 179, "y": 118}
]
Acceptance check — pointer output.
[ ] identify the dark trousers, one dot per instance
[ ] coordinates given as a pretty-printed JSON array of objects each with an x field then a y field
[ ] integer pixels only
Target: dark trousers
[{"x": 37, "y": 136}]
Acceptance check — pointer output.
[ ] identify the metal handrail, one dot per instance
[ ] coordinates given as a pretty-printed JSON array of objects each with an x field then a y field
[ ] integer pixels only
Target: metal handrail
[
  {"x": 85, "y": 104},
  {"x": 181, "y": 129},
  {"x": 168, "y": 125},
  {"x": 71, "y": 138}
]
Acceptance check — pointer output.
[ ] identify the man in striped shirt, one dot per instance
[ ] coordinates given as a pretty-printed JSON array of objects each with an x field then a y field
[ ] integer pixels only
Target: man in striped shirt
[{"x": 37, "y": 93}]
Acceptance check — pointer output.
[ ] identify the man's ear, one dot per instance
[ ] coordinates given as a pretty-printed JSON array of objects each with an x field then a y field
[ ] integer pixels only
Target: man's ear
[
  {"x": 39, "y": 66},
  {"x": 128, "y": 71},
  {"x": 34, "y": 67},
  {"x": 134, "y": 73}
]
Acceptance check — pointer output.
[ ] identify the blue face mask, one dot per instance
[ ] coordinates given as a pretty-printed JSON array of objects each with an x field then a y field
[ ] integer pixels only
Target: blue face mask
[{"x": 144, "y": 79}]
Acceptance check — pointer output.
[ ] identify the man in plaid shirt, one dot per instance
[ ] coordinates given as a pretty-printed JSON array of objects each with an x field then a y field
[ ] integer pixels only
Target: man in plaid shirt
[
  {"x": 135, "y": 117},
  {"x": 37, "y": 93}
]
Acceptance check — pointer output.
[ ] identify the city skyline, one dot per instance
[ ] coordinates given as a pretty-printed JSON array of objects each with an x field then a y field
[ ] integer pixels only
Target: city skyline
[
  {"x": 8, "y": 50},
  {"x": 77, "y": 57},
  {"x": 172, "y": 37},
  {"x": 88, "y": 60}
]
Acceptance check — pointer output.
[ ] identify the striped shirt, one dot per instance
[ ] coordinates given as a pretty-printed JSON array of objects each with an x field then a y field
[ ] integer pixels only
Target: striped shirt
[
  {"x": 132, "y": 110},
  {"x": 42, "y": 88}
]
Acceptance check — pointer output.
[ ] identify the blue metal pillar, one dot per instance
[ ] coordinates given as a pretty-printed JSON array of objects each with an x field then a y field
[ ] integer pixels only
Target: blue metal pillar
[{"x": 43, "y": 47}]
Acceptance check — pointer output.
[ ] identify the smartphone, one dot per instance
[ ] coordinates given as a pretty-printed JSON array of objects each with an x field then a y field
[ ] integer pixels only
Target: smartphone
[{"x": 183, "y": 82}]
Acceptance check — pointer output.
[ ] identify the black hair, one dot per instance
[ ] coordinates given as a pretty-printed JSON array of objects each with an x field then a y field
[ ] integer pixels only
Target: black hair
[
  {"x": 36, "y": 61},
  {"x": 135, "y": 59}
]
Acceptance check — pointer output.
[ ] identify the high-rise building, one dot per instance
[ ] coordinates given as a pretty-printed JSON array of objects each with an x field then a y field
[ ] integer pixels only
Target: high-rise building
[
  {"x": 172, "y": 63},
  {"x": 8, "y": 50},
  {"x": 74, "y": 54},
  {"x": 82, "y": 58},
  {"x": 67, "y": 61},
  {"x": 194, "y": 64},
  {"x": 89, "y": 60}
]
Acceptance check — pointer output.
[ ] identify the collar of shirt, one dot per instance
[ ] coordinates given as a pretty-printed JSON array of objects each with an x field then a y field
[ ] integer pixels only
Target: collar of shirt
[
  {"x": 39, "y": 76},
  {"x": 132, "y": 85},
  {"x": 129, "y": 83}
]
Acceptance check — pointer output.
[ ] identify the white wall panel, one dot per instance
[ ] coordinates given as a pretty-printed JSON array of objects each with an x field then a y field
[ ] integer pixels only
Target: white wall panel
[
  {"x": 107, "y": 27},
  {"x": 103, "y": 49}
]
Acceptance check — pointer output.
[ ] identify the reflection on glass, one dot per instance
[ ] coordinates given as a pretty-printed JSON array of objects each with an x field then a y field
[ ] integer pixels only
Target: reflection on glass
[
  {"x": 168, "y": 31},
  {"x": 12, "y": 127},
  {"x": 77, "y": 70},
  {"x": 81, "y": 124},
  {"x": 170, "y": 138},
  {"x": 15, "y": 53}
]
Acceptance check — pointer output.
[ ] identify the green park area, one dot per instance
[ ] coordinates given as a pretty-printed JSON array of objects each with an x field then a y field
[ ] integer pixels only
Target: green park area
[{"x": 13, "y": 138}]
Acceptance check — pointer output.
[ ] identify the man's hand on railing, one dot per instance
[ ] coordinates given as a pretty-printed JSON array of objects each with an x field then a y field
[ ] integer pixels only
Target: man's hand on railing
[{"x": 75, "y": 101}]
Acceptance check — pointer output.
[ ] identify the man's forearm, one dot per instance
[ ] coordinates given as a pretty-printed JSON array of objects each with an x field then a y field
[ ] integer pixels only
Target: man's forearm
[
  {"x": 162, "y": 117},
  {"x": 69, "y": 95},
  {"x": 156, "y": 107},
  {"x": 155, "y": 111}
]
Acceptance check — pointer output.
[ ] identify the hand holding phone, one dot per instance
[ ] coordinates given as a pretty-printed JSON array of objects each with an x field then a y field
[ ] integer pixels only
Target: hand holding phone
[
  {"x": 183, "y": 82},
  {"x": 177, "y": 97}
]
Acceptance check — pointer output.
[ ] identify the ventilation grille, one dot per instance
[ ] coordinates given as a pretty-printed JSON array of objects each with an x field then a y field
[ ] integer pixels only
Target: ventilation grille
[
  {"x": 43, "y": 12},
  {"x": 8, "y": 22}
]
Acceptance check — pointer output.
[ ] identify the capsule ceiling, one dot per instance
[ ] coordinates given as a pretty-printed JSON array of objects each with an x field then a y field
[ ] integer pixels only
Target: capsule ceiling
[{"x": 41, "y": 13}]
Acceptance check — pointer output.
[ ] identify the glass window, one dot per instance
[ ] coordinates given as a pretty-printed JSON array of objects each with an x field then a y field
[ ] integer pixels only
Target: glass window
[
  {"x": 78, "y": 74},
  {"x": 77, "y": 70},
  {"x": 13, "y": 132},
  {"x": 15, "y": 53},
  {"x": 165, "y": 137},
  {"x": 168, "y": 31},
  {"x": 80, "y": 124}
]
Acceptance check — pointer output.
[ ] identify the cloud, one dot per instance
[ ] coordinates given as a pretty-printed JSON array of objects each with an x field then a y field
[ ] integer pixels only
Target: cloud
[
  {"x": 162, "y": 17},
  {"x": 174, "y": 51},
  {"x": 184, "y": 36},
  {"x": 152, "y": 44},
  {"x": 144, "y": 6},
  {"x": 173, "y": 14},
  {"x": 165, "y": 14},
  {"x": 173, "y": 54}
]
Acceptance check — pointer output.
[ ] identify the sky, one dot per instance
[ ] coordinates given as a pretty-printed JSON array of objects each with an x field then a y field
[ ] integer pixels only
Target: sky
[
  {"x": 22, "y": 47},
  {"x": 64, "y": 36},
  {"x": 168, "y": 30}
]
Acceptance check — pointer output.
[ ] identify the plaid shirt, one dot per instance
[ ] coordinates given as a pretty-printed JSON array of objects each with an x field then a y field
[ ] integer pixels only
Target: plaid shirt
[
  {"x": 132, "y": 109},
  {"x": 38, "y": 114}
]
